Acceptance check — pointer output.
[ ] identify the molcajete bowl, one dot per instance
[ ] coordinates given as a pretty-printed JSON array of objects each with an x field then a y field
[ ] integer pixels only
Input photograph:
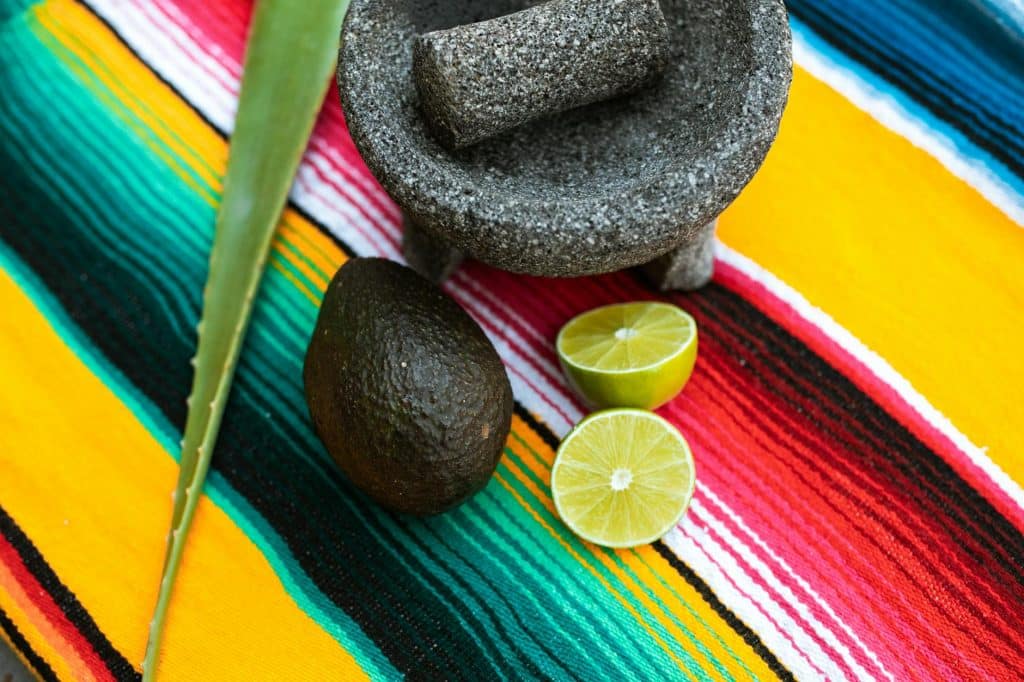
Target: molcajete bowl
[{"x": 595, "y": 189}]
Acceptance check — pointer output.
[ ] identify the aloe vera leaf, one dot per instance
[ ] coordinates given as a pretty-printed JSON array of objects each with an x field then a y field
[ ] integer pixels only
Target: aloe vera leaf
[{"x": 288, "y": 63}]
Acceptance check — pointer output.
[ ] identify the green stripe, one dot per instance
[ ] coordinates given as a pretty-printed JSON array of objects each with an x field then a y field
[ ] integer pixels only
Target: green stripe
[
  {"x": 614, "y": 556},
  {"x": 160, "y": 228},
  {"x": 346, "y": 632}
]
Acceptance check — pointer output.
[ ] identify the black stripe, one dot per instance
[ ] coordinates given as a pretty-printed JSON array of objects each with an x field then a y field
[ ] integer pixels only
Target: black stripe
[
  {"x": 18, "y": 641},
  {"x": 1000, "y": 145},
  {"x": 848, "y": 409},
  {"x": 741, "y": 628},
  {"x": 66, "y": 600},
  {"x": 542, "y": 430}
]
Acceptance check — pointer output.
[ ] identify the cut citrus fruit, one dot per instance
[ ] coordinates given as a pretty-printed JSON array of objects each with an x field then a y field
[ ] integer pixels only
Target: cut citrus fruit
[
  {"x": 629, "y": 354},
  {"x": 622, "y": 478}
]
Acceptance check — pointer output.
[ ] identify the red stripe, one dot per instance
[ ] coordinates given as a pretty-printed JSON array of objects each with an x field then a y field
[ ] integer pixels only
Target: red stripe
[
  {"x": 784, "y": 315},
  {"x": 865, "y": 429},
  {"x": 44, "y": 602},
  {"x": 813, "y": 505}
]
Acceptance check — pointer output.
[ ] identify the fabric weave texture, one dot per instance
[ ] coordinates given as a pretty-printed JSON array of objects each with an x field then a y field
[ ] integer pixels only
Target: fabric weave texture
[{"x": 856, "y": 412}]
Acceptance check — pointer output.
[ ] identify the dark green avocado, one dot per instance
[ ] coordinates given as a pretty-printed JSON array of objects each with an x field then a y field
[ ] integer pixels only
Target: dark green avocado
[{"x": 405, "y": 390}]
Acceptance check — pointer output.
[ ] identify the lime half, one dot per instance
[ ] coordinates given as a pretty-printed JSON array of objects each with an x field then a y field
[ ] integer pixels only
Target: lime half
[
  {"x": 622, "y": 478},
  {"x": 629, "y": 354}
]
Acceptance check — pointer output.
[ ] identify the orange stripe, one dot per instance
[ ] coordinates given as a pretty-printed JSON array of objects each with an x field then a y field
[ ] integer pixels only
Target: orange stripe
[
  {"x": 103, "y": 524},
  {"x": 46, "y": 637}
]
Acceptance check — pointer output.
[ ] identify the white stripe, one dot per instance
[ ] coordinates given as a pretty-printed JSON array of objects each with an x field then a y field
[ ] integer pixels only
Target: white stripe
[
  {"x": 337, "y": 214},
  {"x": 162, "y": 50},
  {"x": 361, "y": 176},
  {"x": 768, "y": 575},
  {"x": 683, "y": 541},
  {"x": 347, "y": 188},
  {"x": 832, "y": 68},
  {"x": 767, "y": 595},
  {"x": 807, "y": 589},
  {"x": 875, "y": 363}
]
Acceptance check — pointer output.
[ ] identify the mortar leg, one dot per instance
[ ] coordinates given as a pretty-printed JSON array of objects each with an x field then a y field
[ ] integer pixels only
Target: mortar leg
[
  {"x": 686, "y": 268},
  {"x": 428, "y": 255}
]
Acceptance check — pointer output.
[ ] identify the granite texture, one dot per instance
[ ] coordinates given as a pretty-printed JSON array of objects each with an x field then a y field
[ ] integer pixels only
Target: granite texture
[
  {"x": 430, "y": 256},
  {"x": 478, "y": 80},
  {"x": 687, "y": 267},
  {"x": 594, "y": 189}
]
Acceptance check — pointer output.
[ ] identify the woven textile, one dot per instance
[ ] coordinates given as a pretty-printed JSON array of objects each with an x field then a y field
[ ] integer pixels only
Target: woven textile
[{"x": 856, "y": 413}]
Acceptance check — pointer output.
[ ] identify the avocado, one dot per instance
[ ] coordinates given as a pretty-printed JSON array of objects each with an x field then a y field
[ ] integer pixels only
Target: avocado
[{"x": 405, "y": 390}]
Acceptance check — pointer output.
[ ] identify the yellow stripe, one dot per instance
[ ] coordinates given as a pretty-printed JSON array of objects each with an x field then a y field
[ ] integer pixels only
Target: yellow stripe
[
  {"x": 302, "y": 288},
  {"x": 166, "y": 121},
  {"x": 87, "y": 448},
  {"x": 316, "y": 246},
  {"x": 908, "y": 258}
]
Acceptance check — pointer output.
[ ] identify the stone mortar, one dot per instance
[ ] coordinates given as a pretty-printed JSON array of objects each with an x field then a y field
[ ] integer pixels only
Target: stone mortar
[
  {"x": 595, "y": 189},
  {"x": 479, "y": 80}
]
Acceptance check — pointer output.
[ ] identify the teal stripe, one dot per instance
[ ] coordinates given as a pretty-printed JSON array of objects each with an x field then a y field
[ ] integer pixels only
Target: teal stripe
[
  {"x": 554, "y": 548},
  {"x": 345, "y": 631},
  {"x": 568, "y": 537},
  {"x": 332, "y": 619},
  {"x": 454, "y": 552}
]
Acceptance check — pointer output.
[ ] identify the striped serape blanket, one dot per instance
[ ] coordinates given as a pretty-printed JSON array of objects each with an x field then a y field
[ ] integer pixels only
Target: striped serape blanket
[{"x": 856, "y": 414}]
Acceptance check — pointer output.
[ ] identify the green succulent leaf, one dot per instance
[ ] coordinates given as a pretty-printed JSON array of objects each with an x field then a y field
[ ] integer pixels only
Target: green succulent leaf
[{"x": 288, "y": 63}]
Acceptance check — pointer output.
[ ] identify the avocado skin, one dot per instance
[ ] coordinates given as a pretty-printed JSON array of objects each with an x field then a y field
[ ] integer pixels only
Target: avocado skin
[{"x": 405, "y": 390}]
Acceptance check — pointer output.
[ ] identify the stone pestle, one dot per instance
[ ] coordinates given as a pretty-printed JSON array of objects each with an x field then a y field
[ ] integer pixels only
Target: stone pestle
[{"x": 480, "y": 80}]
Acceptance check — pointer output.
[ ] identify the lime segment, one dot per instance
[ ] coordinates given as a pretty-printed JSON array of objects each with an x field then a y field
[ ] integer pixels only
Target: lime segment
[
  {"x": 622, "y": 478},
  {"x": 629, "y": 354}
]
